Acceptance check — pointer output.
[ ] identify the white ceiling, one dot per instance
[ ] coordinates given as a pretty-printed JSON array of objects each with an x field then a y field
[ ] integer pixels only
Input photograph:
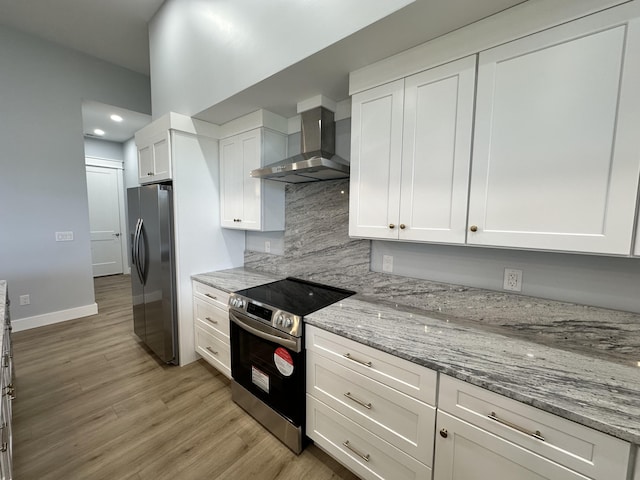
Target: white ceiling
[
  {"x": 112, "y": 30},
  {"x": 97, "y": 115}
]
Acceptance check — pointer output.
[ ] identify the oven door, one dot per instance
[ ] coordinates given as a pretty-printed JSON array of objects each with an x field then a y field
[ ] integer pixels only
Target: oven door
[{"x": 269, "y": 364}]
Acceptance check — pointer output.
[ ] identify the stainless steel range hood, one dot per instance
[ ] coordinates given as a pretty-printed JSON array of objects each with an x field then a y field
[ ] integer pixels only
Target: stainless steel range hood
[{"x": 318, "y": 160}]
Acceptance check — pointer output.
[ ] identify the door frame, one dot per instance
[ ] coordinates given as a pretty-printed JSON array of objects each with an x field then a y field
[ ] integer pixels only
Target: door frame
[{"x": 119, "y": 166}]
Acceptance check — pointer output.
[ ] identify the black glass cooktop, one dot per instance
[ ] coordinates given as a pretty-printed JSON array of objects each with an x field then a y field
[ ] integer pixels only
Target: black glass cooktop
[{"x": 296, "y": 296}]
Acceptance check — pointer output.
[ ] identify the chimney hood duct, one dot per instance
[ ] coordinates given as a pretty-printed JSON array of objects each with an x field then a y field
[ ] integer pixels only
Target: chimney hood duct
[{"x": 318, "y": 160}]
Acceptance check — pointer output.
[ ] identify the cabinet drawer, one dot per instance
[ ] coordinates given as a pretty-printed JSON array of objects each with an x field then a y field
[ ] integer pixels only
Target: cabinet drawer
[
  {"x": 401, "y": 420},
  {"x": 407, "y": 377},
  {"x": 213, "y": 316},
  {"x": 464, "y": 451},
  {"x": 580, "y": 448},
  {"x": 210, "y": 294},
  {"x": 213, "y": 350},
  {"x": 331, "y": 431}
]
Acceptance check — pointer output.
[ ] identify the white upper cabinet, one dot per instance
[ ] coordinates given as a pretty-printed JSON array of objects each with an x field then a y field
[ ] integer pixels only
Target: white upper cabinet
[
  {"x": 556, "y": 150},
  {"x": 376, "y": 149},
  {"x": 248, "y": 203},
  {"x": 410, "y": 156},
  {"x": 154, "y": 157},
  {"x": 436, "y": 153}
]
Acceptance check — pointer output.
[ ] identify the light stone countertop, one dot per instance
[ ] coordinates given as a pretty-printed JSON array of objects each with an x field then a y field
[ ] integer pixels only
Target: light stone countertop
[{"x": 590, "y": 390}]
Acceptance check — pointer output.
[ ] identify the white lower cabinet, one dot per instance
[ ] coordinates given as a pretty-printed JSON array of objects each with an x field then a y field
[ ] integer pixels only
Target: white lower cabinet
[
  {"x": 211, "y": 323},
  {"x": 484, "y": 435},
  {"x": 358, "y": 412}
]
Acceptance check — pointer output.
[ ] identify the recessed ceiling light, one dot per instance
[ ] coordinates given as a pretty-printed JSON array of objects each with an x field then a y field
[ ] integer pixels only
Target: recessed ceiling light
[
  {"x": 97, "y": 131},
  {"x": 116, "y": 118}
]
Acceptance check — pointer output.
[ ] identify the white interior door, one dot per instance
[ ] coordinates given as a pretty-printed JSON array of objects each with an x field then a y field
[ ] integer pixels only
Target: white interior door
[{"x": 104, "y": 194}]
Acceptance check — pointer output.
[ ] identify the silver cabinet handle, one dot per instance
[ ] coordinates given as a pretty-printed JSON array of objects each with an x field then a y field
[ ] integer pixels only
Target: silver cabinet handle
[
  {"x": 348, "y": 356},
  {"x": 212, "y": 320},
  {"x": 212, "y": 350},
  {"x": 210, "y": 296},
  {"x": 537, "y": 435},
  {"x": 358, "y": 453},
  {"x": 358, "y": 401}
]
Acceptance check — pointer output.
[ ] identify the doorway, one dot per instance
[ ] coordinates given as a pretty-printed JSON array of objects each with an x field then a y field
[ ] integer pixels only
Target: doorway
[{"x": 105, "y": 192}]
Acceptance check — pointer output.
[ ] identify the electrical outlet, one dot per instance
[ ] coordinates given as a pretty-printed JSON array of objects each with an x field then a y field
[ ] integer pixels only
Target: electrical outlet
[
  {"x": 267, "y": 246},
  {"x": 512, "y": 279},
  {"x": 25, "y": 299},
  {"x": 387, "y": 263}
]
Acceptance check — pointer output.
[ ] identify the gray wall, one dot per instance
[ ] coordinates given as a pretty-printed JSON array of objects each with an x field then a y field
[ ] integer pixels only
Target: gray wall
[
  {"x": 96, "y": 148},
  {"x": 42, "y": 172}
]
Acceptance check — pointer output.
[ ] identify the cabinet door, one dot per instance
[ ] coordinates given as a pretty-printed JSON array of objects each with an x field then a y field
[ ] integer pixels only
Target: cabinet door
[
  {"x": 555, "y": 162},
  {"x": 162, "y": 156},
  {"x": 466, "y": 452},
  {"x": 145, "y": 163},
  {"x": 251, "y": 144},
  {"x": 436, "y": 152},
  {"x": 376, "y": 149},
  {"x": 231, "y": 182},
  {"x": 636, "y": 252}
]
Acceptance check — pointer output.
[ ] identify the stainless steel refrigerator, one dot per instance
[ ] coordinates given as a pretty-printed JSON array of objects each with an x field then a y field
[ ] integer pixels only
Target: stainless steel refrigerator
[{"x": 150, "y": 219}]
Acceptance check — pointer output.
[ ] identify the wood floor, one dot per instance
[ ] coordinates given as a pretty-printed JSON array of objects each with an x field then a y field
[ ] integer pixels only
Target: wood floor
[{"x": 92, "y": 403}]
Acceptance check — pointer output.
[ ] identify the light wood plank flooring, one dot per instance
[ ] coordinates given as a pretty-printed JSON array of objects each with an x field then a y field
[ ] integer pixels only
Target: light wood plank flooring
[{"x": 92, "y": 403}]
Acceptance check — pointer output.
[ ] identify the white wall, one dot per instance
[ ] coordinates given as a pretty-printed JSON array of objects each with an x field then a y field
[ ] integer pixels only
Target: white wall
[
  {"x": 42, "y": 168},
  {"x": 205, "y": 51}
]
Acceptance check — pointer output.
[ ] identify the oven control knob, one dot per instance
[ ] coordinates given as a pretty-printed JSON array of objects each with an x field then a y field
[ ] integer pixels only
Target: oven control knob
[{"x": 286, "y": 322}]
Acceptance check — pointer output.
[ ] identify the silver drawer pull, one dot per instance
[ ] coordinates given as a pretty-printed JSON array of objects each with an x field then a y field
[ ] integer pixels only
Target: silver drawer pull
[
  {"x": 212, "y": 320},
  {"x": 210, "y": 296},
  {"x": 358, "y": 401},
  {"x": 537, "y": 435},
  {"x": 364, "y": 457},
  {"x": 212, "y": 350},
  {"x": 348, "y": 355}
]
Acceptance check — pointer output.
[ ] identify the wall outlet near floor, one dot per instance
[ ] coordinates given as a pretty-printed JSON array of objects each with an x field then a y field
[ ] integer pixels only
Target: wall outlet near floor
[
  {"x": 267, "y": 247},
  {"x": 512, "y": 279},
  {"x": 387, "y": 263},
  {"x": 25, "y": 299}
]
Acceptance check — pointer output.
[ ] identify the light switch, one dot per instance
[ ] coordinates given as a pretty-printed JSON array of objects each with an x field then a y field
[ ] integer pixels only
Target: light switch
[{"x": 64, "y": 236}]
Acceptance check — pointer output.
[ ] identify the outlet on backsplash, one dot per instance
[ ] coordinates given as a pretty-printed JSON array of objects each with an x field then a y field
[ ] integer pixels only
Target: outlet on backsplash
[
  {"x": 387, "y": 263},
  {"x": 512, "y": 279}
]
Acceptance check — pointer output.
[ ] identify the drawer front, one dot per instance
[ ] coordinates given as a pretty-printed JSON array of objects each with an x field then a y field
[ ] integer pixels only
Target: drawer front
[
  {"x": 210, "y": 294},
  {"x": 394, "y": 416},
  {"x": 214, "y": 351},
  {"x": 580, "y": 448},
  {"x": 407, "y": 377},
  {"x": 215, "y": 317},
  {"x": 331, "y": 431}
]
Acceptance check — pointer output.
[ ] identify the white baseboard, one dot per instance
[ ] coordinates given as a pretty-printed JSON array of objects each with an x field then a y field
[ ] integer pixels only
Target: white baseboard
[{"x": 53, "y": 317}]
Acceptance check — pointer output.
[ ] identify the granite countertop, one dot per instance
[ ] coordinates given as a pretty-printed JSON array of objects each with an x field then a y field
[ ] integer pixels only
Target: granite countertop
[{"x": 599, "y": 391}]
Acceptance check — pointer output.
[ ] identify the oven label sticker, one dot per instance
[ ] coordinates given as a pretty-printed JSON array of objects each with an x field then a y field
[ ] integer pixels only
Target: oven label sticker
[
  {"x": 283, "y": 361},
  {"x": 260, "y": 379}
]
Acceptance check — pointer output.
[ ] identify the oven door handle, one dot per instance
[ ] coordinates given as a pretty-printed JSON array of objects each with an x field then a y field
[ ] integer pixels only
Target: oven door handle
[{"x": 293, "y": 345}]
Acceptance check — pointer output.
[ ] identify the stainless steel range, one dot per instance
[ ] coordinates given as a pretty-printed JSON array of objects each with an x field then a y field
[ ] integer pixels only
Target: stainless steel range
[{"x": 267, "y": 352}]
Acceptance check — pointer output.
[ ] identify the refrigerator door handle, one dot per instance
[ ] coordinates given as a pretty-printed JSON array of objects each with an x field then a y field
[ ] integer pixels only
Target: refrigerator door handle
[
  {"x": 142, "y": 258},
  {"x": 136, "y": 251},
  {"x": 134, "y": 239}
]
